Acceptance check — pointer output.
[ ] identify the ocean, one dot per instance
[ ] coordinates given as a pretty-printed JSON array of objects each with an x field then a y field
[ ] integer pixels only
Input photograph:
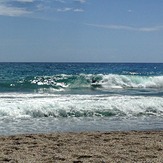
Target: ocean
[{"x": 74, "y": 97}]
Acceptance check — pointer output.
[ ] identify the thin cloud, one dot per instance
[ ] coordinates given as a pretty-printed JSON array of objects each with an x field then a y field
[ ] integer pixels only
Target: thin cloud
[
  {"x": 78, "y": 10},
  {"x": 8, "y": 9},
  {"x": 151, "y": 29},
  {"x": 81, "y": 1},
  {"x": 129, "y": 10},
  {"x": 24, "y": 7},
  {"x": 66, "y": 9},
  {"x": 61, "y": 1},
  {"x": 12, "y": 11},
  {"x": 128, "y": 28},
  {"x": 25, "y": 1}
]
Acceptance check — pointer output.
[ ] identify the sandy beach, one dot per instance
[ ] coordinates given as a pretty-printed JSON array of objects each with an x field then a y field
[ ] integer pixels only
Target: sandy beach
[{"x": 133, "y": 146}]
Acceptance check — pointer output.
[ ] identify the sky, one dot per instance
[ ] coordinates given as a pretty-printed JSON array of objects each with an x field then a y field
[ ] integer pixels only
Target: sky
[{"x": 81, "y": 30}]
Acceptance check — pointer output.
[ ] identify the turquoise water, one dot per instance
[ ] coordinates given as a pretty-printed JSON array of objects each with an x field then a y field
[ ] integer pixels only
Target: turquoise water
[{"x": 49, "y": 97}]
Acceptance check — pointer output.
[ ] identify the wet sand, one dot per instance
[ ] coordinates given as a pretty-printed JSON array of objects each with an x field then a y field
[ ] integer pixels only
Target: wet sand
[{"x": 96, "y": 147}]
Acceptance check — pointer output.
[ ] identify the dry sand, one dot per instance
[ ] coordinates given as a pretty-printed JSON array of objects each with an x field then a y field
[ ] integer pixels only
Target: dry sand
[{"x": 96, "y": 147}]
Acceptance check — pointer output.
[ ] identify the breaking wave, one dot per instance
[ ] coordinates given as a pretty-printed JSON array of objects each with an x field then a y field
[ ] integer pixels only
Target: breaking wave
[
  {"x": 28, "y": 105},
  {"x": 67, "y": 82}
]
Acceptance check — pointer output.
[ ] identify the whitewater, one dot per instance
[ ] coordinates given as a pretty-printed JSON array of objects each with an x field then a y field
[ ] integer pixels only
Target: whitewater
[{"x": 50, "y": 97}]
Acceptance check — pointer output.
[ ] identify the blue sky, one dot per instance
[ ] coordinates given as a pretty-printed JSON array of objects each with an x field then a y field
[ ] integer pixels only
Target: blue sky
[{"x": 81, "y": 30}]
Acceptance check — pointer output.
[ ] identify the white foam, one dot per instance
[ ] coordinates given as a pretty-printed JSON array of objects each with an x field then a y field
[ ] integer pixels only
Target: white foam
[
  {"x": 40, "y": 105},
  {"x": 131, "y": 81}
]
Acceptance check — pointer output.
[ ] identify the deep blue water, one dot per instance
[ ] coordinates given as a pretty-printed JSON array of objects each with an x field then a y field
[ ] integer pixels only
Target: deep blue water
[{"x": 80, "y": 96}]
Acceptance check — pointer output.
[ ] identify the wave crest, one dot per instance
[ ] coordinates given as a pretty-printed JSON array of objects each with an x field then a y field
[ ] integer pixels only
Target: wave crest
[
  {"x": 100, "y": 81},
  {"x": 103, "y": 81}
]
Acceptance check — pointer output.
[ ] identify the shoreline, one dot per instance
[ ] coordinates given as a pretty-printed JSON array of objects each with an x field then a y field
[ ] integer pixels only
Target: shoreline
[{"x": 114, "y": 146}]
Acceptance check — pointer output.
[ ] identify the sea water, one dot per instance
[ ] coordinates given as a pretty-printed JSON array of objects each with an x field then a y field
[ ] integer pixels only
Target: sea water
[{"x": 52, "y": 97}]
